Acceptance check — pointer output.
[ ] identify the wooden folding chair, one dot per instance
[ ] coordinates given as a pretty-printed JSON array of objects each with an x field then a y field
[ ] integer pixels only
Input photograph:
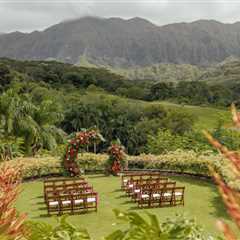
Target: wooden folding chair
[
  {"x": 78, "y": 203},
  {"x": 155, "y": 196},
  {"x": 91, "y": 201},
  {"x": 143, "y": 197},
  {"x": 166, "y": 198},
  {"x": 65, "y": 201},
  {"x": 53, "y": 203},
  {"x": 156, "y": 193},
  {"x": 178, "y": 196}
]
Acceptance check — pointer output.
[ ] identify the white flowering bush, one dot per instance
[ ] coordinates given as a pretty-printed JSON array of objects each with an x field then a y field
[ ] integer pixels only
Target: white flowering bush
[
  {"x": 37, "y": 167},
  {"x": 91, "y": 161},
  {"x": 178, "y": 161}
]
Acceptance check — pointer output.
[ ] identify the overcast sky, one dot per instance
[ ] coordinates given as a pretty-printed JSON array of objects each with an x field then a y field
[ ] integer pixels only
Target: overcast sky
[{"x": 29, "y": 15}]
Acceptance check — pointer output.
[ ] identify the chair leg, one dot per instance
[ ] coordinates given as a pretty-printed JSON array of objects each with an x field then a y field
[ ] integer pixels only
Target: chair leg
[
  {"x": 49, "y": 212},
  {"x": 149, "y": 203},
  {"x": 174, "y": 201},
  {"x": 60, "y": 211},
  {"x": 72, "y": 209}
]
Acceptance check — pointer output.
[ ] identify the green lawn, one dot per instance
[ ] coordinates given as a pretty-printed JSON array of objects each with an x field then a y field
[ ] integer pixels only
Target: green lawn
[
  {"x": 202, "y": 203},
  {"x": 206, "y": 117}
]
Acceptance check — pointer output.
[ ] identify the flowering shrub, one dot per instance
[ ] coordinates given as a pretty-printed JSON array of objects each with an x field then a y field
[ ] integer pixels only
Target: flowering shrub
[
  {"x": 230, "y": 196},
  {"x": 115, "y": 162},
  {"x": 91, "y": 161},
  {"x": 11, "y": 223},
  {"x": 37, "y": 167},
  {"x": 179, "y": 161}
]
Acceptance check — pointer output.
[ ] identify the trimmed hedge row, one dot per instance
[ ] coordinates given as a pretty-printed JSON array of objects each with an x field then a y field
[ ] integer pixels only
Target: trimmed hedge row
[
  {"x": 179, "y": 161},
  {"x": 37, "y": 167}
]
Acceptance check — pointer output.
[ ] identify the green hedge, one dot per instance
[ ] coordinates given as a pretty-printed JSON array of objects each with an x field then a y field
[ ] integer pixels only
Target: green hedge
[
  {"x": 92, "y": 162},
  {"x": 178, "y": 161},
  {"x": 37, "y": 167}
]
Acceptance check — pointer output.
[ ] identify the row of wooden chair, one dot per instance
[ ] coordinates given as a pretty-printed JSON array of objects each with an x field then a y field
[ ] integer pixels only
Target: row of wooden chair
[
  {"x": 131, "y": 176},
  {"x": 51, "y": 183},
  {"x": 155, "y": 192},
  {"x": 138, "y": 183},
  {"x": 69, "y": 196},
  {"x": 63, "y": 186}
]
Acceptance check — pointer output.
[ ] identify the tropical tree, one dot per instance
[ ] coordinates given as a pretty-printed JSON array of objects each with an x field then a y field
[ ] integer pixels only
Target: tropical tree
[
  {"x": 46, "y": 116},
  {"x": 35, "y": 124}
]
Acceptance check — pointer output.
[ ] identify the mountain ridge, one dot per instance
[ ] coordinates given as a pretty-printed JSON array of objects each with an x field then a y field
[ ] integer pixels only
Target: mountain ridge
[{"x": 126, "y": 42}]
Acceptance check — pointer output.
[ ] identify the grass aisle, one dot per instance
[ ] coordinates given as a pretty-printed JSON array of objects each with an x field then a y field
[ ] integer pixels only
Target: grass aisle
[{"x": 202, "y": 202}]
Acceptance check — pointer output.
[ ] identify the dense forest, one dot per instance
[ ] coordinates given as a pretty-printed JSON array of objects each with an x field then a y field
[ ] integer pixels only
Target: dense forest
[
  {"x": 41, "y": 103},
  {"x": 60, "y": 75}
]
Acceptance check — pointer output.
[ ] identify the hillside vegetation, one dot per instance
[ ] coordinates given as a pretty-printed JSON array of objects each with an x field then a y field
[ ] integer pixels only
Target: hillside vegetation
[
  {"x": 162, "y": 72},
  {"x": 226, "y": 72},
  {"x": 43, "y": 103}
]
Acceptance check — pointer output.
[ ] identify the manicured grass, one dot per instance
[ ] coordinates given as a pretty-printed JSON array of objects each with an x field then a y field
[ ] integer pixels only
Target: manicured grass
[
  {"x": 202, "y": 203},
  {"x": 206, "y": 117}
]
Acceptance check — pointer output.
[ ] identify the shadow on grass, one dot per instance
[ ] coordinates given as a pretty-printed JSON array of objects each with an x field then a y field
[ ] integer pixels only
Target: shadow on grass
[
  {"x": 216, "y": 201},
  {"x": 192, "y": 181},
  {"x": 121, "y": 196},
  {"x": 127, "y": 202},
  {"x": 41, "y": 196},
  {"x": 39, "y": 203},
  {"x": 134, "y": 208},
  {"x": 43, "y": 216},
  {"x": 42, "y": 209},
  {"x": 55, "y": 215},
  {"x": 96, "y": 176},
  {"x": 220, "y": 210},
  {"x": 38, "y": 197},
  {"x": 117, "y": 190}
]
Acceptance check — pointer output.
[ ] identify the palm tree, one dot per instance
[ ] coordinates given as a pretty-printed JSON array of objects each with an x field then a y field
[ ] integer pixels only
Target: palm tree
[
  {"x": 15, "y": 111},
  {"x": 47, "y": 115},
  {"x": 36, "y": 124}
]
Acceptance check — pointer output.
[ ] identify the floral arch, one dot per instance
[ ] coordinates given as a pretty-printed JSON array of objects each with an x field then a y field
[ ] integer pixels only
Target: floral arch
[{"x": 81, "y": 141}]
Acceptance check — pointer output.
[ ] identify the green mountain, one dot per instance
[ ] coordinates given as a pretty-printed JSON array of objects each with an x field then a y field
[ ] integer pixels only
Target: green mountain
[
  {"x": 162, "y": 72},
  {"x": 123, "y": 43},
  {"x": 226, "y": 72}
]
